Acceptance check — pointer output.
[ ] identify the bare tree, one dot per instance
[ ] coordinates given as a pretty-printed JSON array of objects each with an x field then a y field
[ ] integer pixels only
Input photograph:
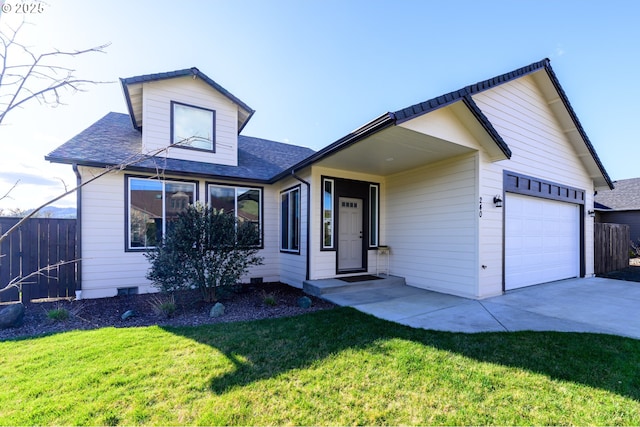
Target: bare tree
[{"x": 27, "y": 76}]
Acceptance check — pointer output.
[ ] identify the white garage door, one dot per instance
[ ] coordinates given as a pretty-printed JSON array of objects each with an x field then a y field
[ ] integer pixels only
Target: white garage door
[{"x": 542, "y": 241}]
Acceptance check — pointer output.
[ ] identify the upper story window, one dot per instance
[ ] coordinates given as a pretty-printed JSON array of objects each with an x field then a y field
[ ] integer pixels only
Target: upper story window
[{"x": 197, "y": 123}]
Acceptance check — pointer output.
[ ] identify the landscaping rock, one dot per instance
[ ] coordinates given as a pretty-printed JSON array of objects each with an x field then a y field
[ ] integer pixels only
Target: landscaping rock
[
  {"x": 304, "y": 302},
  {"x": 217, "y": 310},
  {"x": 12, "y": 316},
  {"x": 127, "y": 314}
]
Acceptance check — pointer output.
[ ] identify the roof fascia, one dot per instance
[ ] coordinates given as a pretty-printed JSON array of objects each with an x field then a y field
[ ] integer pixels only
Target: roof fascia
[
  {"x": 127, "y": 97},
  {"x": 486, "y": 124}
]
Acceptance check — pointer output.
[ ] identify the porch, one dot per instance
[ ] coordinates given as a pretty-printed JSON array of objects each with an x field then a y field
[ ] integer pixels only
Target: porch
[{"x": 322, "y": 287}]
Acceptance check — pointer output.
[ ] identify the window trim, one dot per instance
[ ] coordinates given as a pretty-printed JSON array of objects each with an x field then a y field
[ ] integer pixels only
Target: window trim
[
  {"x": 208, "y": 184},
  {"x": 374, "y": 205},
  {"x": 365, "y": 195},
  {"x": 127, "y": 205},
  {"x": 188, "y": 147},
  {"x": 288, "y": 191},
  {"x": 331, "y": 246}
]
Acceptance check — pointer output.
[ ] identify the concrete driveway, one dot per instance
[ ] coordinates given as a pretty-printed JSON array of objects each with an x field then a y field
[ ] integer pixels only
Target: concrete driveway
[{"x": 575, "y": 305}]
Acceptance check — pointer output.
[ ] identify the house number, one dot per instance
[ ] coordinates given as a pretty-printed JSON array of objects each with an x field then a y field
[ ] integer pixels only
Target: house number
[{"x": 480, "y": 207}]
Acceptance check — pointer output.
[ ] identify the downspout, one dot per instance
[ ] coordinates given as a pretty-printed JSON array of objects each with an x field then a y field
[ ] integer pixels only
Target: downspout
[
  {"x": 293, "y": 174},
  {"x": 78, "y": 231}
]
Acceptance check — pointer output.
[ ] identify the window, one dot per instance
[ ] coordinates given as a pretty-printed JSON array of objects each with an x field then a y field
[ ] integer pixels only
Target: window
[
  {"x": 374, "y": 204},
  {"x": 188, "y": 121},
  {"x": 327, "y": 213},
  {"x": 244, "y": 203},
  {"x": 290, "y": 220},
  {"x": 153, "y": 206}
]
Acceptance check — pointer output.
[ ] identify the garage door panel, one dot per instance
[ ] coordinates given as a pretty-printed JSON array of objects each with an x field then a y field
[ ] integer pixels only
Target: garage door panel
[{"x": 542, "y": 241}]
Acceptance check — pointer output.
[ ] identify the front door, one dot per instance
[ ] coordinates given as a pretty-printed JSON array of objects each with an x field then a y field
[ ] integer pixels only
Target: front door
[{"x": 350, "y": 238}]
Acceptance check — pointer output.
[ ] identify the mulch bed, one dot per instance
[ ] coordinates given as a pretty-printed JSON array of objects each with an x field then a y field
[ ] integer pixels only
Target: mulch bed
[{"x": 248, "y": 302}]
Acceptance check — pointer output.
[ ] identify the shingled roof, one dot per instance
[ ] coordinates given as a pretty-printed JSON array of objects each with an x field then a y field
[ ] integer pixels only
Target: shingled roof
[
  {"x": 112, "y": 140},
  {"x": 625, "y": 197}
]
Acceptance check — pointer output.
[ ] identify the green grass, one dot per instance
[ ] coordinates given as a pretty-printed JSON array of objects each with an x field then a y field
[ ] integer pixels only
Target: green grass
[{"x": 325, "y": 368}]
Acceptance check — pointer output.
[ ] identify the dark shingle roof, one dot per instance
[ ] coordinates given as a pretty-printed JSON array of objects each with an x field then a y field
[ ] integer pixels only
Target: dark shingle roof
[
  {"x": 112, "y": 140},
  {"x": 626, "y": 196}
]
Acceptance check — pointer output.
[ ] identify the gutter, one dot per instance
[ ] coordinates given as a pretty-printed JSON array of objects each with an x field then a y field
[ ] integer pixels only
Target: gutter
[
  {"x": 308, "y": 185},
  {"x": 78, "y": 231}
]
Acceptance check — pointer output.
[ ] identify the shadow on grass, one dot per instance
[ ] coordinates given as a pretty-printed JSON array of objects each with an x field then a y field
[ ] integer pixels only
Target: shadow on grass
[{"x": 265, "y": 349}]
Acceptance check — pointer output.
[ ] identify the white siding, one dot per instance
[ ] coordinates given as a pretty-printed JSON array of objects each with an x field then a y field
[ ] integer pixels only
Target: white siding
[
  {"x": 156, "y": 119},
  {"x": 431, "y": 226},
  {"x": 539, "y": 148},
  {"x": 293, "y": 266},
  {"x": 105, "y": 264}
]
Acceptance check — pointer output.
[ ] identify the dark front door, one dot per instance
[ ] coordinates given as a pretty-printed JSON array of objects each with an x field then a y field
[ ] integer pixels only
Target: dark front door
[{"x": 350, "y": 234}]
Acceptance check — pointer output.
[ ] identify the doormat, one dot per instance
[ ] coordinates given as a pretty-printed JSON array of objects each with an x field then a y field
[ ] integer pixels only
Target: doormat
[{"x": 364, "y": 278}]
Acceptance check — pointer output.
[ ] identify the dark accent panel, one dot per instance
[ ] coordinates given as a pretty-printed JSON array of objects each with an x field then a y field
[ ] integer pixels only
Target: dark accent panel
[
  {"x": 536, "y": 187},
  {"x": 357, "y": 190}
]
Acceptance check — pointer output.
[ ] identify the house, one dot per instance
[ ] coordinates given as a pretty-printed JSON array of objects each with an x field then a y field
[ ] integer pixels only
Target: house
[
  {"x": 621, "y": 205},
  {"x": 475, "y": 192}
]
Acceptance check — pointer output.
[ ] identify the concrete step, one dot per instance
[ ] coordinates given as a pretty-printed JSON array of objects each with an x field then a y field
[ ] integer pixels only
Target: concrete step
[{"x": 327, "y": 286}]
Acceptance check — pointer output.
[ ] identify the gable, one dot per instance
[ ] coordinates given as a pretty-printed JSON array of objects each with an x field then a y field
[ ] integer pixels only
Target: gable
[
  {"x": 157, "y": 98},
  {"x": 521, "y": 114}
]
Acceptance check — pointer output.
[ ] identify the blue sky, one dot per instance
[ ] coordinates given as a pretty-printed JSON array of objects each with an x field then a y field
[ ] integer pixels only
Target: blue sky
[{"x": 315, "y": 70}]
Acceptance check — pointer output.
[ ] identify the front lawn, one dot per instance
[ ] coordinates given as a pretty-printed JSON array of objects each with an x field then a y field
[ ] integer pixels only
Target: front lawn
[{"x": 325, "y": 368}]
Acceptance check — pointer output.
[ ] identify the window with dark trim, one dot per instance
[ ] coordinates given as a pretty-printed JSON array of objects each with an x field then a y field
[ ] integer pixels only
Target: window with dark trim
[
  {"x": 374, "y": 215},
  {"x": 152, "y": 206},
  {"x": 244, "y": 203},
  {"x": 290, "y": 220},
  {"x": 197, "y": 123},
  {"x": 327, "y": 213}
]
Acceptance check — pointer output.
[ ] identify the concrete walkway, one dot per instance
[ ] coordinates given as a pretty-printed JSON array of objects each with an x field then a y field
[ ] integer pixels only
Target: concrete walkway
[{"x": 575, "y": 305}]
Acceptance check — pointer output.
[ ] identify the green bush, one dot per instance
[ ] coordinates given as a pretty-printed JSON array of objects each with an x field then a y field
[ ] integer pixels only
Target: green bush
[
  {"x": 163, "y": 305},
  {"x": 58, "y": 314},
  {"x": 204, "y": 248}
]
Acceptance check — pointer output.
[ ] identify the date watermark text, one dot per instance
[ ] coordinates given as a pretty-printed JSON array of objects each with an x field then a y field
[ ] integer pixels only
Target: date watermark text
[{"x": 21, "y": 7}]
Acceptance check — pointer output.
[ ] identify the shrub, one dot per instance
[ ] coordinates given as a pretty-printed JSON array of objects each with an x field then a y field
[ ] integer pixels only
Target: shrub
[
  {"x": 163, "y": 305},
  {"x": 269, "y": 299},
  {"x": 58, "y": 314},
  {"x": 204, "y": 248}
]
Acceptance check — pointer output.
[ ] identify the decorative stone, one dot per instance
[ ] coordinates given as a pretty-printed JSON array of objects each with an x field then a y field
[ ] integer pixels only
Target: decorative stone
[
  {"x": 12, "y": 316},
  {"x": 304, "y": 302},
  {"x": 217, "y": 310},
  {"x": 127, "y": 314}
]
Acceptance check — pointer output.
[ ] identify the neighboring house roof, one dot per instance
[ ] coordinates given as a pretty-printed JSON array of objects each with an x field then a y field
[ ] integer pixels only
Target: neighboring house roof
[
  {"x": 112, "y": 140},
  {"x": 464, "y": 95},
  {"x": 624, "y": 197},
  {"x": 132, "y": 87}
]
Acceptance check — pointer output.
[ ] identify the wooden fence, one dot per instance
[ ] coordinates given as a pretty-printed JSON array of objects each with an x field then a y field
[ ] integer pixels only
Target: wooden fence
[
  {"x": 38, "y": 243},
  {"x": 612, "y": 243}
]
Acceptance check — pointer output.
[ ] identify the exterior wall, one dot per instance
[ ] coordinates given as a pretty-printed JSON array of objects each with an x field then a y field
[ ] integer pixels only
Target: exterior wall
[
  {"x": 431, "y": 225},
  {"x": 156, "y": 119},
  {"x": 105, "y": 264},
  {"x": 293, "y": 267},
  {"x": 323, "y": 263},
  {"x": 520, "y": 114}
]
